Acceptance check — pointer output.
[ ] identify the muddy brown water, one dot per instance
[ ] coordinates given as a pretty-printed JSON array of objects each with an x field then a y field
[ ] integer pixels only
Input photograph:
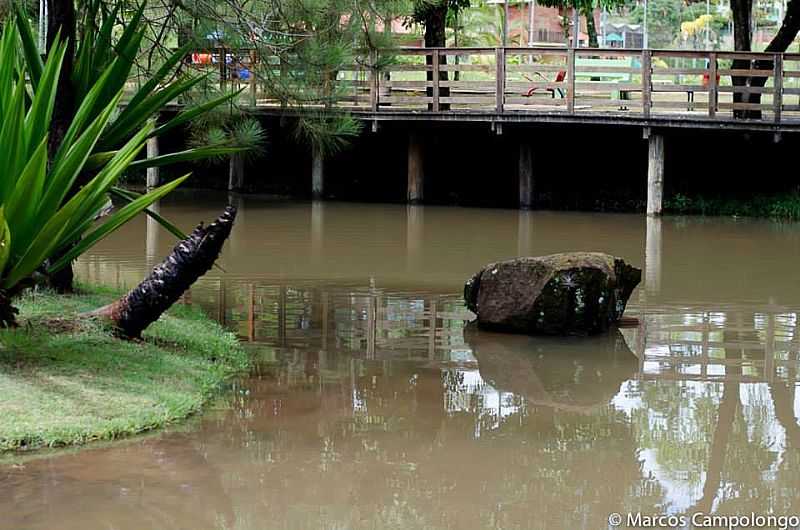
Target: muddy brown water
[{"x": 373, "y": 406}]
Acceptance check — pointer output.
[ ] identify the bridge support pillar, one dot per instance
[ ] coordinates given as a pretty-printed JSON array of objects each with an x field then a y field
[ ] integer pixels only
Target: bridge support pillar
[
  {"x": 652, "y": 257},
  {"x": 317, "y": 174},
  {"x": 236, "y": 172},
  {"x": 416, "y": 175},
  {"x": 525, "y": 173},
  {"x": 152, "y": 172},
  {"x": 655, "y": 174}
]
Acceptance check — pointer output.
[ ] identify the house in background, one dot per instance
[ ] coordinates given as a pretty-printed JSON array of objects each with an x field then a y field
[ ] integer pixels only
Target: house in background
[
  {"x": 620, "y": 35},
  {"x": 547, "y": 22}
]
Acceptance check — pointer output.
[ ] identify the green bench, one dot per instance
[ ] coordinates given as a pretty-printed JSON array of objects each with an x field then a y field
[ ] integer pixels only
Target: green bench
[{"x": 607, "y": 77}]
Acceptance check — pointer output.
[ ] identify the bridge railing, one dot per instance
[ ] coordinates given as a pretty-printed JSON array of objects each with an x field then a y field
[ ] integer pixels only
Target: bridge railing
[{"x": 716, "y": 85}]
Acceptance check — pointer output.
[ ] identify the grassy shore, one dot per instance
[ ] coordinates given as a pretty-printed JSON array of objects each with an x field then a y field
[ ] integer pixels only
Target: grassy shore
[
  {"x": 65, "y": 380},
  {"x": 784, "y": 206}
]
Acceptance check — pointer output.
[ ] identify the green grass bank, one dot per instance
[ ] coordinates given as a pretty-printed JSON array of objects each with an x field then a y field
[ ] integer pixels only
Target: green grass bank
[
  {"x": 784, "y": 206},
  {"x": 67, "y": 381}
]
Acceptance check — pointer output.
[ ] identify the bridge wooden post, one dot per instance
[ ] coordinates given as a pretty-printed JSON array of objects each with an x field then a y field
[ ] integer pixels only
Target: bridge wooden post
[
  {"x": 317, "y": 174},
  {"x": 655, "y": 173},
  {"x": 152, "y": 172},
  {"x": 253, "y": 83},
  {"x": 777, "y": 90},
  {"x": 525, "y": 172},
  {"x": 435, "y": 60},
  {"x": 416, "y": 175},
  {"x": 647, "y": 72},
  {"x": 236, "y": 172},
  {"x": 712, "y": 85},
  {"x": 571, "y": 80},
  {"x": 374, "y": 81},
  {"x": 500, "y": 75}
]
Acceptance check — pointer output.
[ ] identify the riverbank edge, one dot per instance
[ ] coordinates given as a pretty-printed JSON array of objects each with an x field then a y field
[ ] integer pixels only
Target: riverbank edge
[{"x": 68, "y": 381}]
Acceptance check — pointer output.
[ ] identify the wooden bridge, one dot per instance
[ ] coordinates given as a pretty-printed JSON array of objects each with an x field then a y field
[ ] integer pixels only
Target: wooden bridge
[
  {"x": 669, "y": 87},
  {"x": 655, "y": 90}
]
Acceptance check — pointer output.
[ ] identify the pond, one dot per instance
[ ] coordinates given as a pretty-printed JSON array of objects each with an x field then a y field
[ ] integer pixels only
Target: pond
[{"x": 373, "y": 406}]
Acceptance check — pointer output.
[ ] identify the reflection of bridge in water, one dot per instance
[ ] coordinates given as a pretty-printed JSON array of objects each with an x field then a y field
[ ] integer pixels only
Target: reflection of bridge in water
[
  {"x": 745, "y": 342},
  {"x": 691, "y": 342}
]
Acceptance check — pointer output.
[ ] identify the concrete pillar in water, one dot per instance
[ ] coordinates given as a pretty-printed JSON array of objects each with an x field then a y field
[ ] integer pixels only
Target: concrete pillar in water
[
  {"x": 416, "y": 175},
  {"x": 525, "y": 173},
  {"x": 317, "y": 174},
  {"x": 236, "y": 172},
  {"x": 652, "y": 257},
  {"x": 152, "y": 172},
  {"x": 151, "y": 241},
  {"x": 525, "y": 234},
  {"x": 317, "y": 230},
  {"x": 415, "y": 224},
  {"x": 655, "y": 174}
]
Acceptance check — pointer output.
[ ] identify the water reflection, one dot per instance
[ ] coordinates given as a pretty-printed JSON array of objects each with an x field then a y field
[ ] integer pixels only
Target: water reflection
[{"x": 375, "y": 406}]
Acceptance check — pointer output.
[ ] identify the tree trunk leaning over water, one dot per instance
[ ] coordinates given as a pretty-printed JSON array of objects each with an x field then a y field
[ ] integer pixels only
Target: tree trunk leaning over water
[{"x": 188, "y": 261}]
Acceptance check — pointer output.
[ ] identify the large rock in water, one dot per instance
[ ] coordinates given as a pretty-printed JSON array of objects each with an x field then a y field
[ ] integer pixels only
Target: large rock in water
[{"x": 575, "y": 293}]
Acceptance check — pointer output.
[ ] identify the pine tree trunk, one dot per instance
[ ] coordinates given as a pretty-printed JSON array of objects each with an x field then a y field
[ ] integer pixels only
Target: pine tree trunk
[
  {"x": 435, "y": 37},
  {"x": 188, "y": 261},
  {"x": 61, "y": 21},
  {"x": 591, "y": 29}
]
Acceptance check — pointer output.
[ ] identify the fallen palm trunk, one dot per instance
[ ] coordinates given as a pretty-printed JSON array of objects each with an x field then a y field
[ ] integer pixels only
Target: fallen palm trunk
[{"x": 188, "y": 261}]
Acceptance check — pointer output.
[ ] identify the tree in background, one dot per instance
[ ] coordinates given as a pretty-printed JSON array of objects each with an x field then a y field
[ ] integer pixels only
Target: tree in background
[{"x": 309, "y": 49}]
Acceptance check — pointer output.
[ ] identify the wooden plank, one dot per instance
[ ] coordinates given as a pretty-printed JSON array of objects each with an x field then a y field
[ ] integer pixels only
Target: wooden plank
[
  {"x": 646, "y": 82},
  {"x": 602, "y": 103},
  {"x": 435, "y": 84},
  {"x": 606, "y": 52},
  {"x": 521, "y": 100},
  {"x": 584, "y": 86},
  {"x": 745, "y": 106},
  {"x": 571, "y": 80},
  {"x": 679, "y": 71},
  {"x": 515, "y": 85},
  {"x": 791, "y": 73},
  {"x": 500, "y": 77},
  {"x": 422, "y": 85},
  {"x": 745, "y": 56},
  {"x": 740, "y": 72},
  {"x": 470, "y": 85},
  {"x": 467, "y": 100},
  {"x": 558, "y": 52},
  {"x": 465, "y": 51},
  {"x": 746, "y": 89},
  {"x": 679, "y": 54},
  {"x": 422, "y": 100},
  {"x": 657, "y": 87},
  {"x": 794, "y": 91},
  {"x": 658, "y": 104}
]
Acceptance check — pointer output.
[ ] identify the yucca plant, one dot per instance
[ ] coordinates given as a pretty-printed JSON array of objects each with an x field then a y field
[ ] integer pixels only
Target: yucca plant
[
  {"x": 38, "y": 218},
  {"x": 97, "y": 52}
]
